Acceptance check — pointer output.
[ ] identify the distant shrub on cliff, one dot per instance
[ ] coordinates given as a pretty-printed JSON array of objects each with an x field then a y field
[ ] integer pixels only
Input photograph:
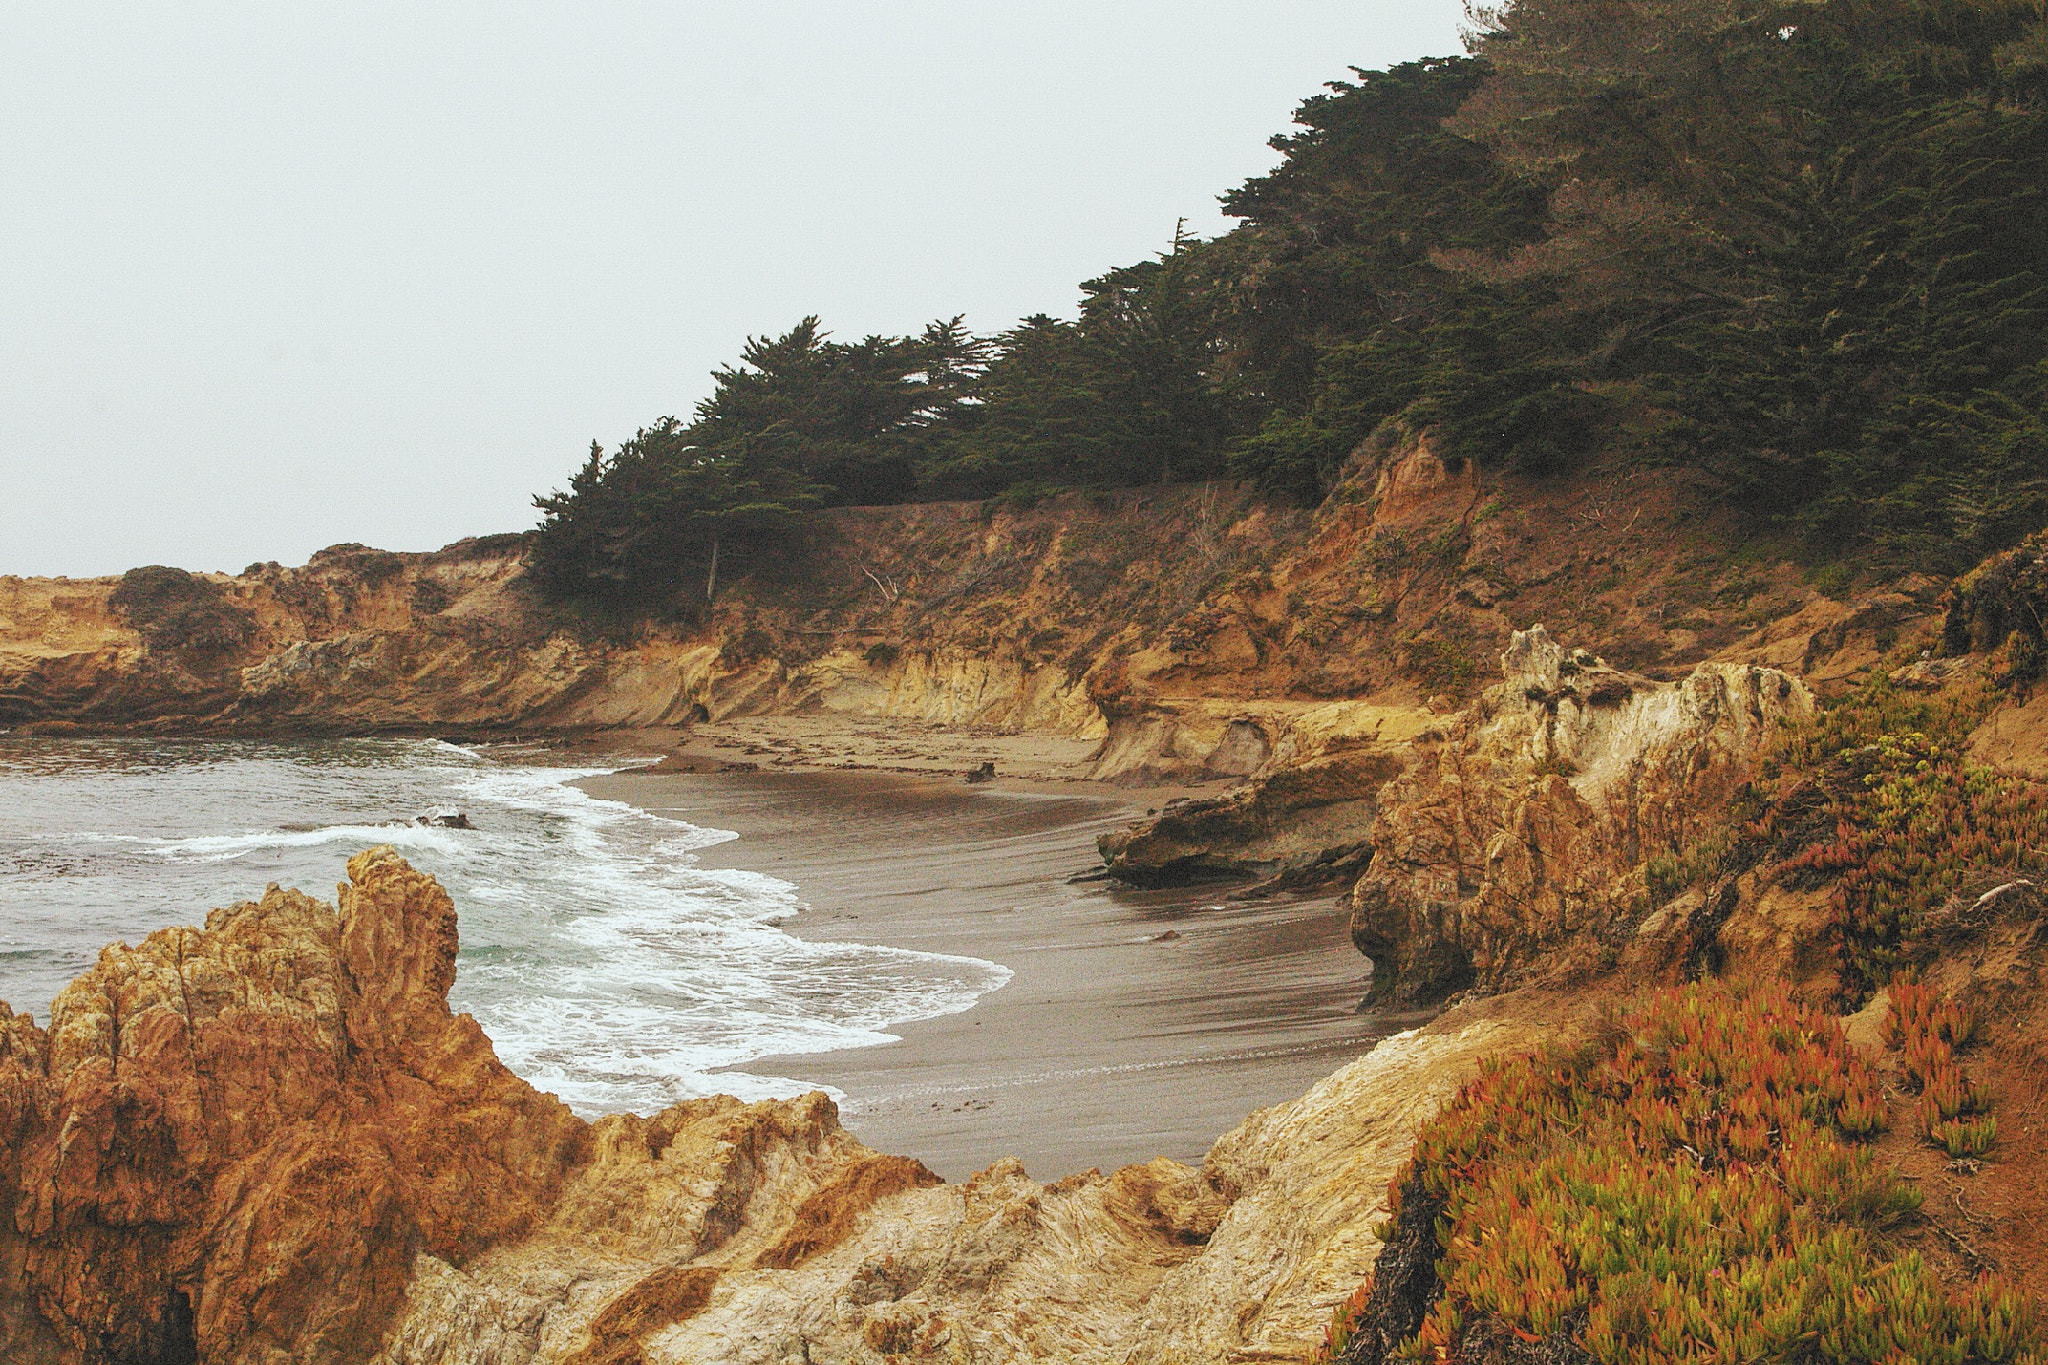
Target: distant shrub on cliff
[
  {"x": 371, "y": 567},
  {"x": 175, "y": 610}
]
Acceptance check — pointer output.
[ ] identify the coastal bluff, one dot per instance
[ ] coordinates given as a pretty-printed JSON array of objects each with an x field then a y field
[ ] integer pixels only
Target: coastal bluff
[
  {"x": 269, "y": 1140},
  {"x": 1172, "y": 634}
]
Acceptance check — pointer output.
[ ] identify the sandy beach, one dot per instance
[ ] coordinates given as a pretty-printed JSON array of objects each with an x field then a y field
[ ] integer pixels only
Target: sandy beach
[{"x": 1137, "y": 1025}]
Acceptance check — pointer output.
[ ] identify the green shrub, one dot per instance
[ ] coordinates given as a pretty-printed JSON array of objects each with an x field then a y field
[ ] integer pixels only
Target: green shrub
[
  {"x": 1953, "y": 1113},
  {"x": 1880, "y": 801}
]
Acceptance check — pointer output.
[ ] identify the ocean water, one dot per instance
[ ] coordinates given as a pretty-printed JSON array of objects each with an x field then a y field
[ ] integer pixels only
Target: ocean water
[{"x": 604, "y": 962}]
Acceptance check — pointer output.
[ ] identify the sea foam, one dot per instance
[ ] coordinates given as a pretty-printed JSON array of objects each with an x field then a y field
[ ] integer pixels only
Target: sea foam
[{"x": 605, "y": 964}]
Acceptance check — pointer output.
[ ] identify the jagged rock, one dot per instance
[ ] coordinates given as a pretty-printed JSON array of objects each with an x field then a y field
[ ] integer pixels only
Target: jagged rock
[
  {"x": 1515, "y": 847},
  {"x": 444, "y": 819},
  {"x": 1296, "y": 819},
  {"x": 269, "y": 1141},
  {"x": 235, "y": 1140},
  {"x": 1239, "y": 1261}
]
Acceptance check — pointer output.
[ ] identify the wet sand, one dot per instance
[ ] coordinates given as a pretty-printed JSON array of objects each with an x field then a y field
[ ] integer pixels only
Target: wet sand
[{"x": 1138, "y": 1023}]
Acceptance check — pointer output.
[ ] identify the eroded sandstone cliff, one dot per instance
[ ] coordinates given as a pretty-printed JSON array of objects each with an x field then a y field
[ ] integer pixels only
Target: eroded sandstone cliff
[
  {"x": 237, "y": 1139},
  {"x": 269, "y": 1140},
  {"x": 1524, "y": 842},
  {"x": 1187, "y": 632}
]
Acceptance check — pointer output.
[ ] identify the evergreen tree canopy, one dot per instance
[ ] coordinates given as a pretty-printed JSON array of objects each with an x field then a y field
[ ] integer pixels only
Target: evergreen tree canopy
[{"x": 1800, "y": 246}]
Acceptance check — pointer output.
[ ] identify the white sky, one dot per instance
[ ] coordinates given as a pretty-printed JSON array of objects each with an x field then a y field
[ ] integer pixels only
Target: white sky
[{"x": 284, "y": 274}]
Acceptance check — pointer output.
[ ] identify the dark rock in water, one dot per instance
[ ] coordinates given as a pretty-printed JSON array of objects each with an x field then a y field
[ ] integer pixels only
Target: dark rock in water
[
  {"x": 1098, "y": 873},
  {"x": 985, "y": 773},
  {"x": 1170, "y": 936},
  {"x": 444, "y": 819}
]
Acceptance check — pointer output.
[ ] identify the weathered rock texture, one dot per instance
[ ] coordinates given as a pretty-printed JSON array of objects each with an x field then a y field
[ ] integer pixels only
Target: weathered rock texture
[
  {"x": 1186, "y": 631},
  {"x": 236, "y": 1140},
  {"x": 269, "y": 1141},
  {"x": 1303, "y": 815},
  {"x": 830, "y": 1253},
  {"x": 1518, "y": 845}
]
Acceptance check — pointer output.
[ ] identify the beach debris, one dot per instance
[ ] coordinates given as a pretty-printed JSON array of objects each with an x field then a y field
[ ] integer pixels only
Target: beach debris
[
  {"x": 1170, "y": 936},
  {"x": 985, "y": 773},
  {"x": 1098, "y": 873}
]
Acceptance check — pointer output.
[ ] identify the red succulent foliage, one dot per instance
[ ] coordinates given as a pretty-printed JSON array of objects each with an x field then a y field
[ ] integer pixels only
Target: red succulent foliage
[{"x": 1700, "y": 1189}]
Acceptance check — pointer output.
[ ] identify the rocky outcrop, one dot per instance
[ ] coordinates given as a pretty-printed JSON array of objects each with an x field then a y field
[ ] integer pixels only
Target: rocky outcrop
[
  {"x": 1181, "y": 630},
  {"x": 234, "y": 1141},
  {"x": 268, "y": 1140},
  {"x": 1303, "y": 816},
  {"x": 1521, "y": 843},
  {"x": 1239, "y": 1260}
]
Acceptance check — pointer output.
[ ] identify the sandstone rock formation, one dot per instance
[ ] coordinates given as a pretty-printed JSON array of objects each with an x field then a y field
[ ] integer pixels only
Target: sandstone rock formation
[
  {"x": 1188, "y": 632},
  {"x": 235, "y": 1140},
  {"x": 1241, "y": 1260},
  {"x": 270, "y": 1141},
  {"x": 1518, "y": 845},
  {"x": 1300, "y": 819}
]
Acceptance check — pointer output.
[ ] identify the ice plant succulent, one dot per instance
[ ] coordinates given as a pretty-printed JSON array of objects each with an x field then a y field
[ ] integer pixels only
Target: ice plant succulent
[
  {"x": 1954, "y": 1114},
  {"x": 1880, "y": 801},
  {"x": 1701, "y": 1188}
]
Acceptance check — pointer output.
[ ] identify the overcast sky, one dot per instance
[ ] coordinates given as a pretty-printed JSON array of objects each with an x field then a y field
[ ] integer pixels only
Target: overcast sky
[{"x": 279, "y": 275}]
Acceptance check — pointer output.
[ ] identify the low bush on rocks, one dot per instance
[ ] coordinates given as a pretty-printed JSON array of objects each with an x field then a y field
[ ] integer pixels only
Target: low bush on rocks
[
  {"x": 1880, "y": 799},
  {"x": 1954, "y": 1114},
  {"x": 175, "y": 610},
  {"x": 1701, "y": 1187}
]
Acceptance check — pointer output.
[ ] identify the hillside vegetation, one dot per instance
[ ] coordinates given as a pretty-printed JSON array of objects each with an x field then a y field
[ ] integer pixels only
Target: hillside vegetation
[
  {"x": 1702, "y": 1188},
  {"x": 1795, "y": 248}
]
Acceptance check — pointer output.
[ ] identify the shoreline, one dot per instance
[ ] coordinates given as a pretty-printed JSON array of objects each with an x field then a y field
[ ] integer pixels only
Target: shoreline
[
  {"x": 825, "y": 741},
  {"x": 1137, "y": 1023}
]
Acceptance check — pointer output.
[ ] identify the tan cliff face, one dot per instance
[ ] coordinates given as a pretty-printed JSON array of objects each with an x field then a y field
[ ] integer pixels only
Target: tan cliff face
[
  {"x": 1186, "y": 632},
  {"x": 1525, "y": 839},
  {"x": 1516, "y": 846},
  {"x": 269, "y": 1141}
]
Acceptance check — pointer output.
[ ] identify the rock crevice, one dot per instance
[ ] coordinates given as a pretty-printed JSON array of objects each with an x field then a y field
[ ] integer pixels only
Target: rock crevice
[{"x": 1516, "y": 848}]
